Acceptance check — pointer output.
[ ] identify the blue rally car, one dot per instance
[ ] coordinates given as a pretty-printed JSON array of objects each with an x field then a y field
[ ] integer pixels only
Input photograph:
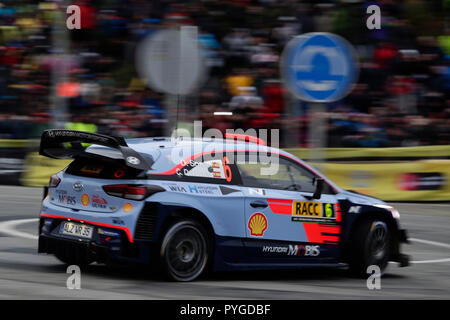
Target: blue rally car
[{"x": 186, "y": 205}]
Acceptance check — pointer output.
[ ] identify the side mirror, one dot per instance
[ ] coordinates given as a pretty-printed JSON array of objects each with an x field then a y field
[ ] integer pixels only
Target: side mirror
[{"x": 319, "y": 188}]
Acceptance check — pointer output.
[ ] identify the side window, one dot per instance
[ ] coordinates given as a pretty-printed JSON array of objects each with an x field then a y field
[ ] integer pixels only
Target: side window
[
  {"x": 290, "y": 176},
  {"x": 209, "y": 171}
]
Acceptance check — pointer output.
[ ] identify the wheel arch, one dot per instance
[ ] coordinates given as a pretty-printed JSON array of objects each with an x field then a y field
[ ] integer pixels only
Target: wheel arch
[
  {"x": 180, "y": 212},
  {"x": 371, "y": 213}
]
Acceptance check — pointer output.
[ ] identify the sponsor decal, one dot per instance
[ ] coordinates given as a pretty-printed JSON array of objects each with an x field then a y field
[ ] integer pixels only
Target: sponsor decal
[
  {"x": 306, "y": 211},
  {"x": 192, "y": 188},
  {"x": 257, "y": 224},
  {"x": 77, "y": 186},
  {"x": 304, "y": 251},
  {"x": 133, "y": 160},
  {"x": 107, "y": 232},
  {"x": 318, "y": 230},
  {"x": 294, "y": 250},
  {"x": 199, "y": 189},
  {"x": 65, "y": 199},
  {"x": 98, "y": 202},
  {"x": 175, "y": 187},
  {"x": 354, "y": 209},
  {"x": 75, "y": 134},
  {"x": 127, "y": 207},
  {"x": 85, "y": 199},
  {"x": 92, "y": 169},
  {"x": 272, "y": 249},
  {"x": 420, "y": 181}
]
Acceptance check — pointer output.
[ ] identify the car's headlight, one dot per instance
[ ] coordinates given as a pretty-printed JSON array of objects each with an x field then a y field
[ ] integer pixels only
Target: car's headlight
[{"x": 394, "y": 212}]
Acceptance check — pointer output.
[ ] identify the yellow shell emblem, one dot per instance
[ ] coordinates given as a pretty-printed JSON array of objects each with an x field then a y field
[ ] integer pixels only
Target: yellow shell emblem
[
  {"x": 257, "y": 224},
  {"x": 85, "y": 199},
  {"x": 127, "y": 207}
]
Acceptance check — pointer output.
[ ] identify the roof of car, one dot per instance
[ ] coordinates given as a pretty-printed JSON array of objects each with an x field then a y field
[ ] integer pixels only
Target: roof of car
[
  {"x": 168, "y": 153},
  {"x": 163, "y": 150},
  {"x": 205, "y": 143}
]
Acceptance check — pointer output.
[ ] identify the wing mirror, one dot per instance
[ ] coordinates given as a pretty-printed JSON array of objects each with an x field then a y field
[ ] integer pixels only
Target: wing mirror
[{"x": 319, "y": 188}]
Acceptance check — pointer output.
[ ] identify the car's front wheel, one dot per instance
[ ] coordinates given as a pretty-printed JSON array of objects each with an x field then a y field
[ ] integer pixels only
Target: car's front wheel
[
  {"x": 184, "y": 250},
  {"x": 371, "y": 245}
]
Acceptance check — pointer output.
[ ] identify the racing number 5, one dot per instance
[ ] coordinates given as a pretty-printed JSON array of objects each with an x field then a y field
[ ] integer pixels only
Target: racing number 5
[{"x": 226, "y": 169}]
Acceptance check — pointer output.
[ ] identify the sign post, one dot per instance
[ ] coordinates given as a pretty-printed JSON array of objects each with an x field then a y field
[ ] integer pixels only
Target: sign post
[
  {"x": 170, "y": 62},
  {"x": 319, "y": 68}
]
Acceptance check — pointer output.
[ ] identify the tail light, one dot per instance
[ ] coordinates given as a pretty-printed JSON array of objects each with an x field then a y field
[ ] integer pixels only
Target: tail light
[
  {"x": 54, "y": 181},
  {"x": 132, "y": 191}
]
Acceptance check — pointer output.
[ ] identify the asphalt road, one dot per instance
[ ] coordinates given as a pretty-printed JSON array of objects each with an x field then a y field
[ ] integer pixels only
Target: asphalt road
[{"x": 26, "y": 275}]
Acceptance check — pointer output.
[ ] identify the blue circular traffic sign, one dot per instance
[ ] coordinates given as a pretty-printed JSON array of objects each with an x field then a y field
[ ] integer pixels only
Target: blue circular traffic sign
[{"x": 319, "y": 67}]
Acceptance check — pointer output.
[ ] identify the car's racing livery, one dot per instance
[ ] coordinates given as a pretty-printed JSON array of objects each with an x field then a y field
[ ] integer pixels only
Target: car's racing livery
[{"x": 188, "y": 204}]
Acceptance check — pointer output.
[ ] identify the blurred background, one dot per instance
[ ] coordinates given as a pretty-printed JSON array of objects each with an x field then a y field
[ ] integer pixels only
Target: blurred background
[{"x": 52, "y": 77}]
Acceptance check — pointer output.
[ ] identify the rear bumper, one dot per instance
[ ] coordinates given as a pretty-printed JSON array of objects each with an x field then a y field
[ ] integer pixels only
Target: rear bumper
[
  {"x": 73, "y": 248},
  {"x": 106, "y": 245}
]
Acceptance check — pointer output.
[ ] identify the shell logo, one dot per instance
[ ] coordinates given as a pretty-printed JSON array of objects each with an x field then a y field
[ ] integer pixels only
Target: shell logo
[
  {"x": 85, "y": 199},
  {"x": 127, "y": 207},
  {"x": 257, "y": 224}
]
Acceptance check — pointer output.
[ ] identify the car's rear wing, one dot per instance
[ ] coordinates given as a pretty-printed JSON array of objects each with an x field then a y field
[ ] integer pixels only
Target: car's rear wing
[{"x": 67, "y": 144}]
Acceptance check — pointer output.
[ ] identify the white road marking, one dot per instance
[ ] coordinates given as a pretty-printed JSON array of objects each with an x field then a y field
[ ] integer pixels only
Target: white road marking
[
  {"x": 432, "y": 261},
  {"x": 433, "y": 243},
  {"x": 8, "y": 228}
]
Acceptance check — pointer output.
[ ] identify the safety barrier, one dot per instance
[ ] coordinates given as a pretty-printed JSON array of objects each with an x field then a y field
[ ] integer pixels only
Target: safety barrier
[{"x": 423, "y": 180}]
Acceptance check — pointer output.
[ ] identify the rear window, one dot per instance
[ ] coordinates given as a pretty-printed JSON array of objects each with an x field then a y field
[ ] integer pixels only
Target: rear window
[{"x": 102, "y": 169}]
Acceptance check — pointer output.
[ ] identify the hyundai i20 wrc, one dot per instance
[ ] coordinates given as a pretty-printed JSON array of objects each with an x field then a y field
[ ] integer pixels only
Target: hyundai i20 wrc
[{"x": 187, "y": 205}]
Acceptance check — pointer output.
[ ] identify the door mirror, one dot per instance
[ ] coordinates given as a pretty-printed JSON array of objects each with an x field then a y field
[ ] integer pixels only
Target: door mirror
[{"x": 319, "y": 188}]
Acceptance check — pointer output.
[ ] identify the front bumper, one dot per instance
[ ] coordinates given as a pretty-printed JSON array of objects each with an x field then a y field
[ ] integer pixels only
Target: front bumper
[
  {"x": 403, "y": 236},
  {"x": 401, "y": 258}
]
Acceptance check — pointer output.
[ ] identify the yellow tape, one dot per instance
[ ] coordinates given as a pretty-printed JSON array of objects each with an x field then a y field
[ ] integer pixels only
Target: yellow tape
[
  {"x": 14, "y": 143},
  {"x": 38, "y": 169}
]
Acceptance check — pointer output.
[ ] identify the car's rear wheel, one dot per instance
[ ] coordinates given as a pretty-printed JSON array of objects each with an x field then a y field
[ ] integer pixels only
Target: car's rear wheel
[
  {"x": 184, "y": 250},
  {"x": 371, "y": 245}
]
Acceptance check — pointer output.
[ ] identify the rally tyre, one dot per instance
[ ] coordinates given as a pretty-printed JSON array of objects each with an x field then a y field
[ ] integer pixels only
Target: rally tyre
[
  {"x": 370, "y": 245},
  {"x": 184, "y": 251}
]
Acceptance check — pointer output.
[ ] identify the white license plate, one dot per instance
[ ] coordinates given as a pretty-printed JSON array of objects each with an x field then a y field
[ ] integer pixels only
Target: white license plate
[{"x": 77, "y": 229}]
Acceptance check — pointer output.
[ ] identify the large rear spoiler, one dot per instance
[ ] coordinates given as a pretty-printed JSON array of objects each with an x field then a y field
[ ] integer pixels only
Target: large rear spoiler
[{"x": 67, "y": 144}]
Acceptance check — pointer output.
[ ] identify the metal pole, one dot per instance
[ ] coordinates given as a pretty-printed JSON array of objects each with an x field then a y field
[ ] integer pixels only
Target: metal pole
[
  {"x": 60, "y": 45},
  {"x": 317, "y": 133}
]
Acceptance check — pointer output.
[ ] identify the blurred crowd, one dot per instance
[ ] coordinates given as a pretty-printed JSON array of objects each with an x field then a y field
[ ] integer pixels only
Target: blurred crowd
[{"x": 402, "y": 97}]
